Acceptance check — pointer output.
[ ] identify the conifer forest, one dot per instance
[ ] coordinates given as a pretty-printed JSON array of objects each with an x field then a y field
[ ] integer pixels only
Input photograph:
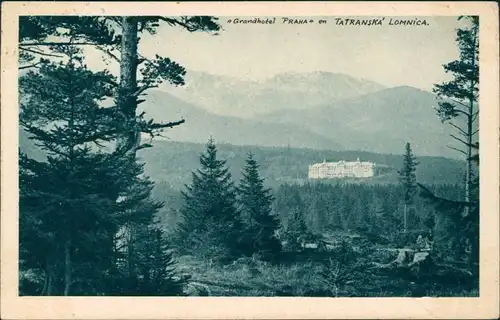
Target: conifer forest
[{"x": 148, "y": 177}]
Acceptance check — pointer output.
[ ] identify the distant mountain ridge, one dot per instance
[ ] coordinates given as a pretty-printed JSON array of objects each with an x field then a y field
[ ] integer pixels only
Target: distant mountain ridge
[
  {"x": 382, "y": 121},
  {"x": 350, "y": 113},
  {"x": 229, "y": 96},
  {"x": 200, "y": 125}
]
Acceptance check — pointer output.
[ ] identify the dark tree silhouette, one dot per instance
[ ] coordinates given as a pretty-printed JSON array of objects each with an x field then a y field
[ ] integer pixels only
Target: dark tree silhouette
[
  {"x": 255, "y": 204},
  {"x": 211, "y": 224},
  {"x": 408, "y": 179},
  {"x": 458, "y": 105}
]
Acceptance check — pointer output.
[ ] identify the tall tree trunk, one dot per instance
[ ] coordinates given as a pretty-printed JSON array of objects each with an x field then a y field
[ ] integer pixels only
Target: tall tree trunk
[
  {"x": 470, "y": 132},
  {"x": 50, "y": 283},
  {"x": 45, "y": 283},
  {"x": 405, "y": 218},
  {"x": 468, "y": 174},
  {"x": 474, "y": 252},
  {"x": 67, "y": 267},
  {"x": 127, "y": 101},
  {"x": 130, "y": 254}
]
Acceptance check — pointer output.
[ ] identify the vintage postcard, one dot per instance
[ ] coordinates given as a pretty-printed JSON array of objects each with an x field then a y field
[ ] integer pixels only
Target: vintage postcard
[{"x": 276, "y": 160}]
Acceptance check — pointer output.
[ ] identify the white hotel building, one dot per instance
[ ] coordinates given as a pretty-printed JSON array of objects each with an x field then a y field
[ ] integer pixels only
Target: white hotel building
[{"x": 341, "y": 169}]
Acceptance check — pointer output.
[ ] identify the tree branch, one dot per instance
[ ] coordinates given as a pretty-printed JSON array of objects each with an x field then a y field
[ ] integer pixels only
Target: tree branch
[
  {"x": 143, "y": 146},
  {"x": 22, "y": 45},
  {"x": 112, "y": 82},
  {"x": 458, "y": 128},
  {"x": 116, "y": 20},
  {"x": 457, "y": 150},
  {"x": 141, "y": 59},
  {"x": 150, "y": 127},
  {"x": 458, "y": 139},
  {"x": 108, "y": 52},
  {"x": 156, "y": 126},
  {"x": 29, "y": 66},
  {"x": 176, "y": 22},
  {"x": 458, "y": 102},
  {"x": 142, "y": 89},
  {"x": 467, "y": 115},
  {"x": 474, "y": 116},
  {"x": 41, "y": 53}
]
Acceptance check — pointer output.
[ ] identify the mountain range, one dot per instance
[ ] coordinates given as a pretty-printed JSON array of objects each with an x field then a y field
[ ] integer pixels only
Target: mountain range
[
  {"x": 317, "y": 110},
  {"x": 372, "y": 123},
  {"x": 224, "y": 95},
  {"x": 201, "y": 124},
  {"x": 321, "y": 110}
]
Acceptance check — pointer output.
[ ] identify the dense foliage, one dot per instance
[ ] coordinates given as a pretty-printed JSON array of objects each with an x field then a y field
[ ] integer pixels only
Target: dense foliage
[
  {"x": 376, "y": 211},
  {"x": 77, "y": 207},
  {"x": 459, "y": 108},
  {"x": 211, "y": 224},
  {"x": 408, "y": 179},
  {"x": 255, "y": 205}
]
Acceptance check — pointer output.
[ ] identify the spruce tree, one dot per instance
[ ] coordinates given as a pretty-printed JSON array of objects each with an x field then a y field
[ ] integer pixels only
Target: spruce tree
[
  {"x": 211, "y": 225},
  {"x": 255, "y": 204},
  {"x": 60, "y": 111},
  {"x": 145, "y": 263},
  {"x": 156, "y": 265},
  {"x": 459, "y": 108},
  {"x": 296, "y": 226},
  {"x": 452, "y": 229},
  {"x": 70, "y": 208},
  {"x": 408, "y": 179},
  {"x": 118, "y": 38},
  {"x": 459, "y": 97},
  {"x": 295, "y": 230}
]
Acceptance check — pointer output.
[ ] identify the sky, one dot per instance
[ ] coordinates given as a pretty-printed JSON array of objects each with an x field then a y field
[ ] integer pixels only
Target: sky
[{"x": 389, "y": 55}]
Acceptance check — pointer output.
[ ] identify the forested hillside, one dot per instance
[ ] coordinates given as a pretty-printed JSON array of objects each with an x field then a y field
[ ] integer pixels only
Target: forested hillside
[
  {"x": 372, "y": 210},
  {"x": 173, "y": 162}
]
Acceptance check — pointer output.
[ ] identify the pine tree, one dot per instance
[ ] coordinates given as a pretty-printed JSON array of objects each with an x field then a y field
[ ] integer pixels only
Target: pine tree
[
  {"x": 70, "y": 207},
  {"x": 133, "y": 242},
  {"x": 71, "y": 238},
  {"x": 319, "y": 210},
  {"x": 453, "y": 230},
  {"x": 296, "y": 226},
  {"x": 121, "y": 47},
  {"x": 255, "y": 204},
  {"x": 211, "y": 224},
  {"x": 156, "y": 265},
  {"x": 60, "y": 110},
  {"x": 408, "y": 179},
  {"x": 296, "y": 229},
  {"x": 458, "y": 106}
]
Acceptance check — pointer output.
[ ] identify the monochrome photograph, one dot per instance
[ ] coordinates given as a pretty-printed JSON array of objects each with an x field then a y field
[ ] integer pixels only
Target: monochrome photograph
[{"x": 332, "y": 156}]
